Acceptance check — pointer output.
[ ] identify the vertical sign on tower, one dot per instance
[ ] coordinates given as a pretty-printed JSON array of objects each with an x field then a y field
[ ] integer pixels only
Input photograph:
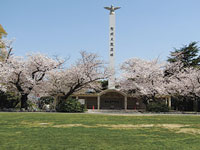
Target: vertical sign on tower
[{"x": 111, "y": 81}]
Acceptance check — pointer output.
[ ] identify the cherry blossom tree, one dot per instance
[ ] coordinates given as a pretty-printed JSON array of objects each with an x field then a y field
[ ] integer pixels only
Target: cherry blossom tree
[
  {"x": 84, "y": 73},
  {"x": 183, "y": 81},
  {"x": 25, "y": 75},
  {"x": 5, "y": 53},
  {"x": 183, "y": 84},
  {"x": 144, "y": 77}
]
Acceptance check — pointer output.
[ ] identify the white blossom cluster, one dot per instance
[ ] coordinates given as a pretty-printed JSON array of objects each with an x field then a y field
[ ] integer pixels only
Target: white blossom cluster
[
  {"x": 144, "y": 76},
  {"x": 152, "y": 78},
  {"x": 84, "y": 73},
  {"x": 38, "y": 74},
  {"x": 184, "y": 82},
  {"x": 26, "y": 74}
]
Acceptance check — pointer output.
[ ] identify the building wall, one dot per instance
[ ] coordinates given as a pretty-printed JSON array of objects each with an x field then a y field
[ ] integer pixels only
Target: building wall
[
  {"x": 135, "y": 103},
  {"x": 113, "y": 100},
  {"x": 90, "y": 102}
]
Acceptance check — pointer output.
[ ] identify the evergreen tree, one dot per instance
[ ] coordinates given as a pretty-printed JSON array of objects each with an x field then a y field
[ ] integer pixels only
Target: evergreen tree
[
  {"x": 2, "y": 32},
  {"x": 188, "y": 55}
]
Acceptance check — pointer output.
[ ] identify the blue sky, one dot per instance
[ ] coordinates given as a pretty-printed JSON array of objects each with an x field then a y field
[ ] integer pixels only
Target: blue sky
[{"x": 144, "y": 28}]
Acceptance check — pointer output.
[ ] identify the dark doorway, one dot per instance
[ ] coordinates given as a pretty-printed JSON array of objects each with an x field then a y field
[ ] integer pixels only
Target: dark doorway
[
  {"x": 112, "y": 100},
  {"x": 198, "y": 105}
]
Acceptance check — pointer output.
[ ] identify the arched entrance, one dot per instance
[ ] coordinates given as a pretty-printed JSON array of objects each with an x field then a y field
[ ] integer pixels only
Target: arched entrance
[{"x": 112, "y": 99}]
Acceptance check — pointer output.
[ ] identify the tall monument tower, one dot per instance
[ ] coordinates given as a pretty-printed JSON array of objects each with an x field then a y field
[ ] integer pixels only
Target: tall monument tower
[{"x": 111, "y": 81}]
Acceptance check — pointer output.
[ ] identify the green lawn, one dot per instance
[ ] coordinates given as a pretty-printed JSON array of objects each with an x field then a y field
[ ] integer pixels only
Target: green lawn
[{"x": 57, "y": 131}]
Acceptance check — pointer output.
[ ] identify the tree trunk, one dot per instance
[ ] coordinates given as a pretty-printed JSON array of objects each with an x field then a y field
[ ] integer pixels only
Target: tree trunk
[{"x": 24, "y": 99}]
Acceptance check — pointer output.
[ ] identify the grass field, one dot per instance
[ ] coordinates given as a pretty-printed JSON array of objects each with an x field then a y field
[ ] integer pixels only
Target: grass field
[{"x": 57, "y": 131}]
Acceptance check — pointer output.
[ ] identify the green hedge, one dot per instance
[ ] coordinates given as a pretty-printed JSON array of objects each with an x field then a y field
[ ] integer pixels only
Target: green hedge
[
  {"x": 157, "y": 107},
  {"x": 9, "y": 100},
  {"x": 70, "y": 105},
  {"x": 44, "y": 101}
]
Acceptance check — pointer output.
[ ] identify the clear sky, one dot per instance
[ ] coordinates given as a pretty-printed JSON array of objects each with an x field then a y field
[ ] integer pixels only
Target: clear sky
[{"x": 144, "y": 28}]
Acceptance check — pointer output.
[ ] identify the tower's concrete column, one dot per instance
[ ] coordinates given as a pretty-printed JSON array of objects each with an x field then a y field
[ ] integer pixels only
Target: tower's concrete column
[{"x": 111, "y": 81}]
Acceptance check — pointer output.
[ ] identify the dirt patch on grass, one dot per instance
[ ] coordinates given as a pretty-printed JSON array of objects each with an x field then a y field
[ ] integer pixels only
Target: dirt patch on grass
[
  {"x": 177, "y": 128},
  {"x": 138, "y": 126},
  {"x": 125, "y": 126},
  {"x": 36, "y": 124},
  {"x": 112, "y": 126},
  {"x": 44, "y": 123},
  {"x": 18, "y": 132},
  {"x": 172, "y": 126},
  {"x": 189, "y": 131},
  {"x": 71, "y": 125}
]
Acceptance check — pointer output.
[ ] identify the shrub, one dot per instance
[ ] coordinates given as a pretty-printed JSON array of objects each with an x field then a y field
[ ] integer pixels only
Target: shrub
[
  {"x": 32, "y": 106},
  {"x": 70, "y": 105},
  {"x": 46, "y": 103},
  {"x": 157, "y": 107},
  {"x": 8, "y": 100}
]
